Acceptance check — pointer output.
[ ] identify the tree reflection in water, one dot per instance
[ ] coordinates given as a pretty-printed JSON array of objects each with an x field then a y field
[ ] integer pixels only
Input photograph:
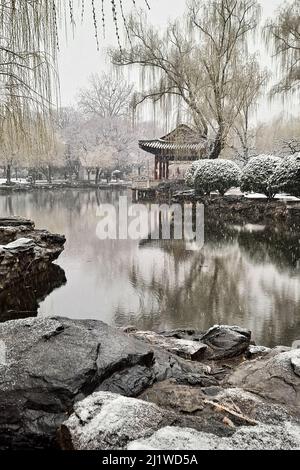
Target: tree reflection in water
[
  {"x": 243, "y": 275},
  {"x": 247, "y": 276}
]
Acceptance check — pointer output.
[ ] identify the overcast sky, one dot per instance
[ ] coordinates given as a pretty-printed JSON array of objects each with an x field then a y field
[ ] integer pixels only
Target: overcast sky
[{"x": 79, "y": 58}]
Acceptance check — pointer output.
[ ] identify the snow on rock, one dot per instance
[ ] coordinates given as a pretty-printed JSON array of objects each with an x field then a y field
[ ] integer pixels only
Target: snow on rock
[
  {"x": 105, "y": 421},
  {"x": 261, "y": 437},
  {"x": 185, "y": 348}
]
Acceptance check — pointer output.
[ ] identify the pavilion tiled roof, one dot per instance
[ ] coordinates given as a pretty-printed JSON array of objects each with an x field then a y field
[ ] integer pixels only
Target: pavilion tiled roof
[
  {"x": 163, "y": 145},
  {"x": 182, "y": 141}
]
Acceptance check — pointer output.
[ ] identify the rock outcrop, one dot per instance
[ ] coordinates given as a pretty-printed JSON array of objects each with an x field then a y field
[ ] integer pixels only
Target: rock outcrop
[{"x": 25, "y": 251}]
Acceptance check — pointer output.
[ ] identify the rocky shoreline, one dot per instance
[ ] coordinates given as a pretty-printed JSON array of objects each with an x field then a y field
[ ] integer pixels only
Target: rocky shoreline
[
  {"x": 80, "y": 384},
  {"x": 61, "y": 185},
  {"x": 238, "y": 209}
]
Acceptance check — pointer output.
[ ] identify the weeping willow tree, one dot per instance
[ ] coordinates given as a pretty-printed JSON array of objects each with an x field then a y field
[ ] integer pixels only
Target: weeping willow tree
[
  {"x": 201, "y": 62},
  {"x": 29, "y": 42},
  {"x": 282, "y": 36}
]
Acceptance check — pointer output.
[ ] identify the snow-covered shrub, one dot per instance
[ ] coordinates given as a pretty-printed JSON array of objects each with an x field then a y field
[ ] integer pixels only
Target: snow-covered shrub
[
  {"x": 286, "y": 177},
  {"x": 191, "y": 172},
  {"x": 258, "y": 173},
  {"x": 217, "y": 175}
]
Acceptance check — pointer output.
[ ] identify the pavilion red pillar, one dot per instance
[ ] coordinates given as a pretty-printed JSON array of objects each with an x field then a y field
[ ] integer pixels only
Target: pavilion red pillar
[
  {"x": 160, "y": 170},
  {"x": 167, "y": 170},
  {"x": 156, "y": 168}
]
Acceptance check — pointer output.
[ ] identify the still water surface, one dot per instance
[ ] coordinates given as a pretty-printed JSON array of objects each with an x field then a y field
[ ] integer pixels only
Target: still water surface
[{"x": 249, "y": 276}]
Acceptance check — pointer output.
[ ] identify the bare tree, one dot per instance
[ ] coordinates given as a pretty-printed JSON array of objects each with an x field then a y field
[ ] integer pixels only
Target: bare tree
[
  {"x": 107, "y": 97},
  {"x": 253, "y": 83},
  {"x": 282, "y": 36},
  {"x": 288, "y": 146},
  {"x": 201, "y": 65}
]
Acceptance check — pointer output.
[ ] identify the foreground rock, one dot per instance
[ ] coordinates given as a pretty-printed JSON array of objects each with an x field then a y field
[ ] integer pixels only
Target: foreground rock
[
  {"x": 105, "y": 421},
  {"x": 25, "y": 251},
  {"x": 49, "y": 364},
  {"x": 104, "y": 388},
  {"x": 273, "y": 377}
]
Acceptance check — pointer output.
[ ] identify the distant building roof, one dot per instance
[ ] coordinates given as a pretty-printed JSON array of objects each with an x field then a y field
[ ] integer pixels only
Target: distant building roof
[{"x": 182, "y": 143}]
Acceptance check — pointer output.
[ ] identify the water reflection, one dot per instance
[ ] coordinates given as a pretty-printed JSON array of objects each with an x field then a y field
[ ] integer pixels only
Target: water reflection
[
  {"x": 23, "y": 299},
  {"x": 243, "y": 275}
]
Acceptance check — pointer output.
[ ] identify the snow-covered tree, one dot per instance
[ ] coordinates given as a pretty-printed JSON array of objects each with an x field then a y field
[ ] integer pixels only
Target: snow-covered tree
[
  {"x": 216, "y": 175},
  {"x": 110, "y": 142},
  {"x": 257, "y": 175},
  {"x": 68, "y": 124},
  {"x": 107, "y": 96},
  {"x": 191, "y": 173},
  {"x": 286, "y": 177}
]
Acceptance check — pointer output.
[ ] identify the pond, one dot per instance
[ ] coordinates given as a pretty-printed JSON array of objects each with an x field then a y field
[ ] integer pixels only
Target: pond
[{"x": 247, "y": 276}]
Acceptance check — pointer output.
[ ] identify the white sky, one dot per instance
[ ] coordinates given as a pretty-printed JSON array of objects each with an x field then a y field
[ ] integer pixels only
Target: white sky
[{"x": 79, "y": 58}]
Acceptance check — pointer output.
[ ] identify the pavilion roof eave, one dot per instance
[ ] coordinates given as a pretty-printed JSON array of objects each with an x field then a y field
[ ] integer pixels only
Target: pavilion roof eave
[{"x": 158, "y": 145}]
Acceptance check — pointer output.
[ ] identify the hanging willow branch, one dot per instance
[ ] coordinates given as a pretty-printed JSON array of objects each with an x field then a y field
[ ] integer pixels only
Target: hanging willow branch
[
  {"x": 29, "y": 42},
  {"x": 282, "y": 36}
]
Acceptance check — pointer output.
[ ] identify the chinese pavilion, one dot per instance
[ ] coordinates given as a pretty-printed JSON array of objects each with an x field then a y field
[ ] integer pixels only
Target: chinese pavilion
[{"x": 182, "y": 144}]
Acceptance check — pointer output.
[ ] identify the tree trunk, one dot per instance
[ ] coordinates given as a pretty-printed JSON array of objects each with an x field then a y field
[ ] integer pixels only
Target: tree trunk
[
  {"x": 217, "y": 146},
  {"x": 89, "y": 175},
  {"x": 97, "y": 176},
  {"x": 8, "y": 174},
  {"x": 49, "y": 174}
]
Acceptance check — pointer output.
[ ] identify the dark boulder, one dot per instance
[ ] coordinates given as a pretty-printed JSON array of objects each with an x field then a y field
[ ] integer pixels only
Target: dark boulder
[{"x": 225, "y": 342}]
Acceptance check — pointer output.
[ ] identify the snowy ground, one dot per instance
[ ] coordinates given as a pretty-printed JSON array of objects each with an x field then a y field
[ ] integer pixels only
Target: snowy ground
[
  {"x": 237, "y": 192},
  {"x": 231, "y": 192},
  {"x": 14, "y": 180}
]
